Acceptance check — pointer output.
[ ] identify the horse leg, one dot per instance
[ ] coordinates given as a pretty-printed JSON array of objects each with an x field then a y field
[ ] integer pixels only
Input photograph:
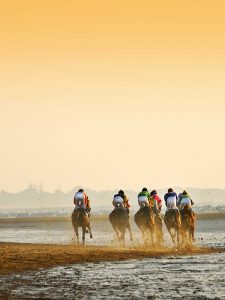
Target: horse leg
[
  {"x": 193, "y": 228},
  {"x": 159, "y": 234},
  {"x": 116, "y": 231},
  {"x": 159, "y": 229},
  {"x": 129, "y": 229},
  {"x": 152, "y": 237},
  {"x": 89, "y": 228},
  {"x": 171, "y": 235},
  {"x": 182, "y": 234},
  {"x": 144, "y": 236},
  {"x": 122, "y": 237},
  {"x": 143, "y": 233},
  {"x": 83, "y": 234},
  {"x": 193, "y": 235},
  {"x": 147, "y": 236},
  {"x": 178, "y": 236},
  {"x": 190, "y": 236},
  {"x": 77, "y": 234}
]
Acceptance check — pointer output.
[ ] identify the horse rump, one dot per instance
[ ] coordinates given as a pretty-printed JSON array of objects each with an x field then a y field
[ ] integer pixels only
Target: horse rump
[
  {"x": 119, "y": 220},
  {"x": 172, "y": 218},
  {"x": 118, "y": 214},
  {"x": 80, "y": 217},
  {"x": 144, "y": 217},
  {"x": 187, "y": 225}
]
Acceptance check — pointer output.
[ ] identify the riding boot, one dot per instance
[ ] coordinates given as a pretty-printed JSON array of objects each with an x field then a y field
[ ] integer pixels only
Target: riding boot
[{"x": 88, "y": 212}]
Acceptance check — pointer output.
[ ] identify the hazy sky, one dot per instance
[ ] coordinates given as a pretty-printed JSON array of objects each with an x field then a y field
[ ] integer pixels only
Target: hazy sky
[{"x": 110, "y": 94}]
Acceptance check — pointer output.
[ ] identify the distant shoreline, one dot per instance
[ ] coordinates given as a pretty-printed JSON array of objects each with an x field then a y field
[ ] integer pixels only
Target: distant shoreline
[
  {"x": 200, "y": 216},
  {"x": 18, "y": 257}
]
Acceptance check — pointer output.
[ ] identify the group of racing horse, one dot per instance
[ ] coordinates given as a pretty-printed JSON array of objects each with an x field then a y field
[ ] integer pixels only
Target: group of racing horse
[
  {"x": 180, "y": 226},
  {"x": 179, "y": 223}
]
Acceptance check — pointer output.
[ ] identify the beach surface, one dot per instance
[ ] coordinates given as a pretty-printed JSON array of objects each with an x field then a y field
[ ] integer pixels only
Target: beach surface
[{"x": 19, "y": 257}]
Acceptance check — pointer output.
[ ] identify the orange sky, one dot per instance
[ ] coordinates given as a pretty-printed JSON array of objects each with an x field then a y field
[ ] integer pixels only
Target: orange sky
[{"x": 92, "y": 87}]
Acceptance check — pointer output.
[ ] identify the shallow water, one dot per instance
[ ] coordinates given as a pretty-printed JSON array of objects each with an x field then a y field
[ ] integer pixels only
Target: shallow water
[
  {"x": 208, "y": 233},
  {"x": 197, "y": 277}
]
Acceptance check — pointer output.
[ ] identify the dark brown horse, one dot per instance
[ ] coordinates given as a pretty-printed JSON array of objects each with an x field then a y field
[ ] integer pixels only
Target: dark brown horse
[
  {"x": 172, "y": 220},
  {"x": 81, "y": 219},
  {"x": 145, "y": 220},
  {"x": 187, "y": 225},
  {"x": 119, "y": 220}
]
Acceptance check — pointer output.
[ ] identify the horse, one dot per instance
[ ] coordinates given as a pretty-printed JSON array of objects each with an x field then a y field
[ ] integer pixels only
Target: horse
[
  {"x": 119, "y": 220},
  {"x": 81, "y": 219},
  {"x": 187, "y": 225},
  {"x": 172, "y": 221},
  {"x": 145, "y": 220}
]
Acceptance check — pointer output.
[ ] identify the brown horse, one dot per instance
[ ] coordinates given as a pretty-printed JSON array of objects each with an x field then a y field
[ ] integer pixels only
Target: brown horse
[
  {"x": 173, "y": 223},
  {"x": 119, "y": 220},
  {"x": 145, "y": 220},
  {"x": 81, "y": 219},
  {"x": 187, "y": 225}
]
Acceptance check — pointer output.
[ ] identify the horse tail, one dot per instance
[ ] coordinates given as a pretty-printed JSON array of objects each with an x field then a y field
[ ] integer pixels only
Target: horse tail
[
  {"x": 151, "y": 217},
  {"x": 186, "y": 210},
  {"x": 151, "y": 220},
  {"x": 178, "y": 219},
  {"x": 77, "y": 217}
]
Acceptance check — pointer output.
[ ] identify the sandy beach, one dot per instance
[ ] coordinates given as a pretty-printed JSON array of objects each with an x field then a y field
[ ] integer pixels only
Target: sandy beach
[{"x": 18, "y": 257}]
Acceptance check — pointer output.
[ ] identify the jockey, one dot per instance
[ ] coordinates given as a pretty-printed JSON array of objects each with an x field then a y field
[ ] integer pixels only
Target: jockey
[
  {"x": 158, "y": 201},
  {"x": 125, "y": 201},
  {"x": 81, "y": 201},
  {"x": 121, "y": 200},
  {"x": 156, "y": 204},
  {"x": 185, "y": 199},
  {"x": 144, "y": 198},
  {"x": 171, "y": 199}
]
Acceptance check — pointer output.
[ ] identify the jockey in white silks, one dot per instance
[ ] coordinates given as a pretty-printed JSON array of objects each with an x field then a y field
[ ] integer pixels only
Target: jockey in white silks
[
  {"x": 118, "y": 201},
  {"x": 81, "y": 201},
  {"x": 171, "y": 200},
  {"x": 143, "y": 198},
  {"x": 185, "y": 200}
]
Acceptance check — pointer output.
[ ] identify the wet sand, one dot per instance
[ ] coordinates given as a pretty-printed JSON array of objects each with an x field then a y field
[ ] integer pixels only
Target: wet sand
[{"x": 18, "y": 257}]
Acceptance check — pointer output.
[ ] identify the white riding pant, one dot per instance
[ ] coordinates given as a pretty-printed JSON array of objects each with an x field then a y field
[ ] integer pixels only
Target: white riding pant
[
  {"x": 171, "y": 203},
  {"x": 118, "y": 201},
  {"x": 185, "y": 201},
  {"x": 143, "y": 201}
]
